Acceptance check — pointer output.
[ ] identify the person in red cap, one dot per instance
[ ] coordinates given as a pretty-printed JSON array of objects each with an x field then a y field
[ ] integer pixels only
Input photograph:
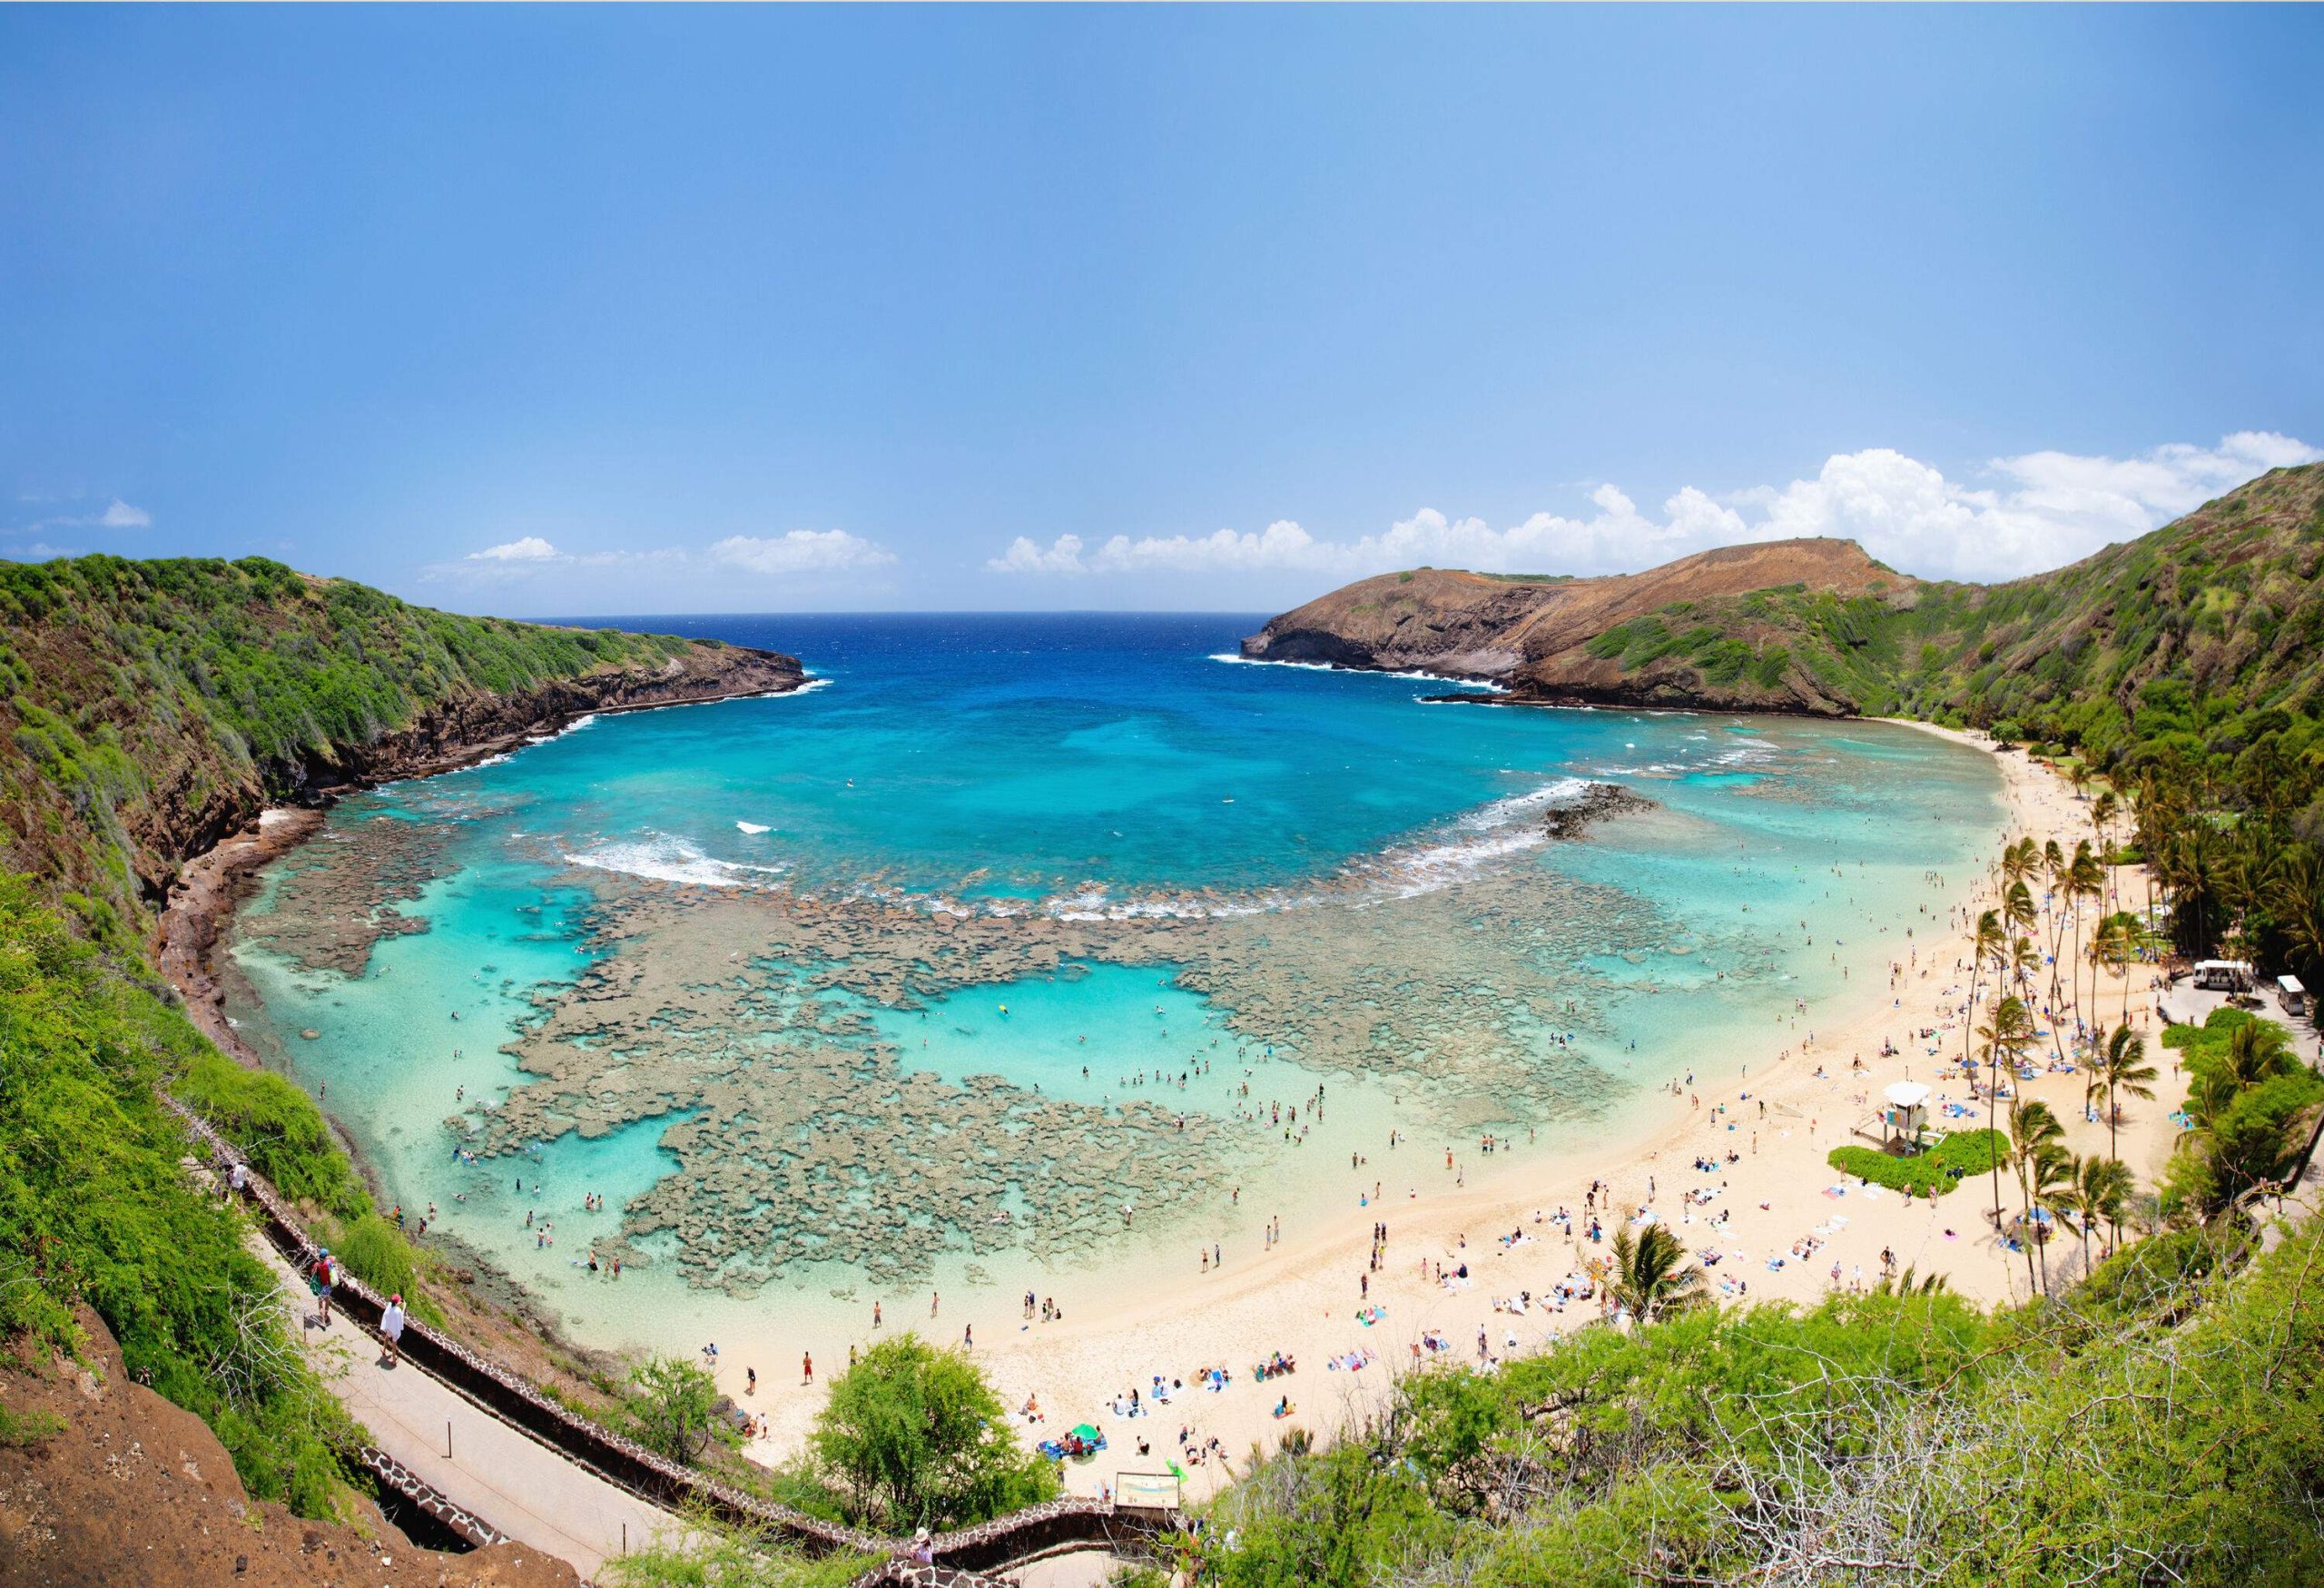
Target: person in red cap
[{"x": 392, "y": 1330}]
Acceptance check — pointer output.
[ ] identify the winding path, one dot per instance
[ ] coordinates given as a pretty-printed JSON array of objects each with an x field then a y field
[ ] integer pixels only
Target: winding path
[{"x": 516, "y": 1485}]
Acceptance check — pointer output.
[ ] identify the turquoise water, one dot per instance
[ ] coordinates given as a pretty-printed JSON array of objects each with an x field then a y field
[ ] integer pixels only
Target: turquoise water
[{"x": 1212, "y": 886}]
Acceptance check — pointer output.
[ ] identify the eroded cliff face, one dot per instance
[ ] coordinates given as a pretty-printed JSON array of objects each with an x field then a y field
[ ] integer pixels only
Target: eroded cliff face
[{"x": 1547, "y": 638}]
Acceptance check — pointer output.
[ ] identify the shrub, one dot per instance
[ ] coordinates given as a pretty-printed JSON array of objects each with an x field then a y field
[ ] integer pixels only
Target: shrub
[
  {"x": 913, "y": 1436},
  {"x": 1933, "y": 1173}
]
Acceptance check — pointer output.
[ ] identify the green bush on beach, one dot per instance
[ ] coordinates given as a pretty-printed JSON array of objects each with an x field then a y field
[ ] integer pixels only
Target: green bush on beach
[
  {"x": 913, "y": 1436},
  {"x": 1933, "y": 1173}
]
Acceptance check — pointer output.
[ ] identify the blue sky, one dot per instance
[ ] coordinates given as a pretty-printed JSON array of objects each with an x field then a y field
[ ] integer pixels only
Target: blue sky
[{"x": 540, "y": 310}]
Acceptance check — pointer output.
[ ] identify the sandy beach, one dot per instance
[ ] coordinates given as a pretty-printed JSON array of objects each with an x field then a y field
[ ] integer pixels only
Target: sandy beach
[{"x": 1445, "y": 1205}]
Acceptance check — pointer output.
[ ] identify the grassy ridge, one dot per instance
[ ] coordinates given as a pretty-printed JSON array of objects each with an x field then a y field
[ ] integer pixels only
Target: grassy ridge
[{"x": 138, "y": 698}]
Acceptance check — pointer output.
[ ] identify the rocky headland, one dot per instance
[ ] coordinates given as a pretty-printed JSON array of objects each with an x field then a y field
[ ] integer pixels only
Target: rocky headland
[{"x": 1541, "y": 638}]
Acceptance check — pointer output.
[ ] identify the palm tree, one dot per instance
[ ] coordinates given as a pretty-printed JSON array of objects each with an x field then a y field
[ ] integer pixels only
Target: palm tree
[
  {"x": 2104, "y": 811},
  {"x": 2114, "y": 944},
  {"x": 2061, "y": 878},
  {"x": 2009, "y": 1033},
  {"x": 2106, "y": 1184},
  {"x": 1986, "y": 945},
  {"x": 2068, "y": 1197},
  {"x": 2025, "y": 960},
  {"x": 2212, "y": 1092},
  {"x": 2017, "y": 906},
  {"x": 2296, "y": 898},
  {"x": 2018, "y": 860},
  {"x": 2259, "y": 1050},
  {"x": 1652, "y": 1278},
  {"x": 2041, "y": 1164},
  {"x": 2085, "y": 881},
  {"x": 2121, "y": 1066}
]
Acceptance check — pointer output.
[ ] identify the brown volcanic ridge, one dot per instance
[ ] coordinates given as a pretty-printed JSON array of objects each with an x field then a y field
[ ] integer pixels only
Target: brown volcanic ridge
[{"x": 1532, "y": 635}]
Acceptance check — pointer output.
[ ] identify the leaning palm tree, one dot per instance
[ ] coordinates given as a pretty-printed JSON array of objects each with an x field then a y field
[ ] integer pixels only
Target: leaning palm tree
[
  {"x": 2040, "y": 1165},
  {"x": 2007, "y": 1035},
  {"x": 1652, "y": 1278},
  {"x": 2121, "y": 1068}
]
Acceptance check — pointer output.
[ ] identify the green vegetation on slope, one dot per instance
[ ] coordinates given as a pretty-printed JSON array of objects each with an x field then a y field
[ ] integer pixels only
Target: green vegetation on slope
[
  {"x": 95, "y": 1208},
  {"x": 2198, "y": 648},
  {"x": 134, "y": 696},
  {"x": 2153, "y": 1425}
]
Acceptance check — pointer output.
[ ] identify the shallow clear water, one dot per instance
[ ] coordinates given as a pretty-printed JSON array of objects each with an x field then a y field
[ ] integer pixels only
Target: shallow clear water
[{"x": 1350, "y": 888}]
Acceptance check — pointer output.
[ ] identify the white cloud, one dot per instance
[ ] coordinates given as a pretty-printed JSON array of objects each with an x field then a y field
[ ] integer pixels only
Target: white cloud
[
  {"x": 802, "y": 551},
  {"x": 531, "y": 549},
  {"x": 119, "y": 515},
  {"x": 2041, "y": 511}
]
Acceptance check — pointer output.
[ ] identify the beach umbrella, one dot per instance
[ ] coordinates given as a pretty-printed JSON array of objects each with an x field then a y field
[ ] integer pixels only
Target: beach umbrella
[{"x": 1084, "y": 1432}]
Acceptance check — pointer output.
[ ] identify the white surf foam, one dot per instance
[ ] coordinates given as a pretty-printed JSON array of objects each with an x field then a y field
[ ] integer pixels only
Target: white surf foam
[
  {"x": 1450, "y": 681},
  {"x": 754, "y": 826},
  {"x": 663, "y": 858}
]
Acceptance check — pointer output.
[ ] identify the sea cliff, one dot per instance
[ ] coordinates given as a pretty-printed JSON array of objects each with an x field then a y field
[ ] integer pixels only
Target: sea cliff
[{"x": 152, "y": 709}]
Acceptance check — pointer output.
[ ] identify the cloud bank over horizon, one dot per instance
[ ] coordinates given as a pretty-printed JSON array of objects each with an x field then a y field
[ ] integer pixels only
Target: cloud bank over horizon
[{"x": 2033, "y": 512}]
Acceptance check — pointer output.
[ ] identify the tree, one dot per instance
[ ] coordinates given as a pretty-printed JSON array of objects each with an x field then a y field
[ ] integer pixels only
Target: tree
[
  {"x": 2258, "y": 1050},
  {"x": 1652, "y": 1278},
  {"x": 2006, "y": 1035},
  {"x": 2040, "y": 1165},
  {"x": 1985, "y": 945},
  {"x": 2086, "y": 882},
  {"x": 673, "y": 1408},
  {"x": 2115, "y": 944},
  {"x": 913, "y": 1436},
  {"x": 2121, "y": 1067}
]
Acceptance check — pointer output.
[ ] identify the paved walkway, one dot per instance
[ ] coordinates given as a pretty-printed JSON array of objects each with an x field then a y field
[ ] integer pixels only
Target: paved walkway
[{"x": 518, "y": 1485}]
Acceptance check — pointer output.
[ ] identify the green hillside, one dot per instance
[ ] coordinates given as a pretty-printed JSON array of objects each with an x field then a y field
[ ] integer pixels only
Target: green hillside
[
  {"x": 2198, "y": 649},
  {"x": 148, "y": 707}
]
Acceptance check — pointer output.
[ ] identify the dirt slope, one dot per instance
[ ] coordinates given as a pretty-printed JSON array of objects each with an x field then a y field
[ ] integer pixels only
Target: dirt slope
[{"x": 137, "y": 1491}]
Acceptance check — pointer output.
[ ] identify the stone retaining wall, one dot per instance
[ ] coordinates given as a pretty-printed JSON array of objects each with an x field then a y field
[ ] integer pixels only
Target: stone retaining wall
[{"x": 392, "y": 1472}]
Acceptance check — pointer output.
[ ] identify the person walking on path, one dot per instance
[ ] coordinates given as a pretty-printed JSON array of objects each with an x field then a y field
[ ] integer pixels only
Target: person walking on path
[
  {"x": 392, "y": 1330},
  {"x": 325, "y": 1275},
  {"x": 806, "y": 1367}
]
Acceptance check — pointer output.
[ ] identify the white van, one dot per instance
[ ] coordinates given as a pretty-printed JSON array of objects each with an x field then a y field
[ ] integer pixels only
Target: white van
[{"x": 2292, "y": 995}]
